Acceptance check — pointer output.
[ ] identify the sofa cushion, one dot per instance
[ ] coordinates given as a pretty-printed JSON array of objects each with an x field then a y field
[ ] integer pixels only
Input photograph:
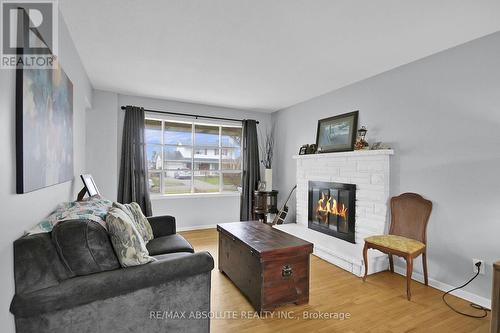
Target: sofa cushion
[
  {"x": 37, "y": 264},
  {"x": 84, "y": 247},
  {"x": 168, "y": 244},
  {"x": 127, "y": 241},
  {"x": 87, "y": 289}
]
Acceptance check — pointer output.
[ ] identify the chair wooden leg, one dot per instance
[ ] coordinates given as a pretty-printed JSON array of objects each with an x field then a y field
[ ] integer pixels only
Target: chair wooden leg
[
  {"x": 365, "y": 259},
  {"x": 424, "y": 265},
  {"x": 409, "y": 271},
  {"x": 391, "y": 263}
]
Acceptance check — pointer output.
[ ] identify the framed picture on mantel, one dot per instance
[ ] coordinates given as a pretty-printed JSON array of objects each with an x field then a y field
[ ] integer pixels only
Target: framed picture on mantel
[{"x": 338, "y": 133}]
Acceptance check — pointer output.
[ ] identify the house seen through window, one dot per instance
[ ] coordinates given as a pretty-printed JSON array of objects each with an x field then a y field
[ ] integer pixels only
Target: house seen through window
[{"x": 192, "y": 157}]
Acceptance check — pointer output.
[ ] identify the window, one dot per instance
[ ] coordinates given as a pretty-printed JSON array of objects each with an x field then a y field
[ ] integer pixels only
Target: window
[{"x": 192, "y": 157}]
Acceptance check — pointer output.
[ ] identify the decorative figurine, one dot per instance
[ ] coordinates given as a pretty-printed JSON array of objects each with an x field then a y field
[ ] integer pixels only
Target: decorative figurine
[
  {"x": 361, "y": 142},
  {"x": 379, "y": 145}
]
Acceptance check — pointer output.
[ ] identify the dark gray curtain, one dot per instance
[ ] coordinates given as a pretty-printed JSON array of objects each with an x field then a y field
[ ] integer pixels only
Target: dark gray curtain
[
  {"x": 251, "y": 168},
  {"x": 133, "y": 184}
]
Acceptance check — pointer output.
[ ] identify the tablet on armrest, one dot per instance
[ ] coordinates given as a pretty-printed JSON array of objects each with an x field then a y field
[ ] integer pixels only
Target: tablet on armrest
[{"x": 89, "y": 187}]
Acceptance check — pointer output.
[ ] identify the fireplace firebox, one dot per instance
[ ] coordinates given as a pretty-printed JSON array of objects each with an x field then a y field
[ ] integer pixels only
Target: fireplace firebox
[{"x": 332, "y": 209}]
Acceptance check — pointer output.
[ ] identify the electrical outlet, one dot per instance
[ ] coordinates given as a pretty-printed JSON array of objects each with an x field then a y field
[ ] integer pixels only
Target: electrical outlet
[{"x": 481, "y": 268}]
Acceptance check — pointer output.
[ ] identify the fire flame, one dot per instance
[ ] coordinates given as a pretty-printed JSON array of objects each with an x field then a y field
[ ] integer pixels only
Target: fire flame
[{"x": 330, "y": 206}]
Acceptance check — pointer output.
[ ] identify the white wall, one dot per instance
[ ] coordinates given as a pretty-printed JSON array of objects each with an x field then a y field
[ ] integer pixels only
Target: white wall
[
  {"x": 102, "y": 142},
  {"x": 441, "y": 114},
  {"x": 21, "y": 211},
  {"x": 199, "y": 212},
  {"x": 104, "y": 136}
]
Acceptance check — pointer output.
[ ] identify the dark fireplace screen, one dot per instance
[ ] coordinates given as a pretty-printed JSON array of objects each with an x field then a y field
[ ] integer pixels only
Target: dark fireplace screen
[{"x": 332, "y": 209}]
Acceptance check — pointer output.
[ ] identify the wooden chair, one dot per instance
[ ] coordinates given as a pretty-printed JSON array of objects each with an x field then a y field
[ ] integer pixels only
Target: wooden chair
[{"x": 410, "y": 213}]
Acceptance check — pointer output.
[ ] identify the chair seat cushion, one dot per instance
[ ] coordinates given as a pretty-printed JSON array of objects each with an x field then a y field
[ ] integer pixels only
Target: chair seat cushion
[
  {"x": 398, "y": 243},
  {"x": 168, "y": 244}
]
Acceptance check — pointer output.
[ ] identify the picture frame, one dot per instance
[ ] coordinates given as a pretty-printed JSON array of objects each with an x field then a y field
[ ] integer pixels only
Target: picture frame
[
  {"x": 90, "y": 185},
  {"x": 337, "y": 133},
  {"x": 307, "y": 149},
  {"x": 311, "y": 149}
]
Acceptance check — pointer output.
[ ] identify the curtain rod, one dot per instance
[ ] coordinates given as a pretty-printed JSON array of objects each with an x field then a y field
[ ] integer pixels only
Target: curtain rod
[{"x": 196, "y": 116}]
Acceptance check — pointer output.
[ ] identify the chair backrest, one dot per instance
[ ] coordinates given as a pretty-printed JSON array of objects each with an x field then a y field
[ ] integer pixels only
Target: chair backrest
[{"x": 410, "y": 213}]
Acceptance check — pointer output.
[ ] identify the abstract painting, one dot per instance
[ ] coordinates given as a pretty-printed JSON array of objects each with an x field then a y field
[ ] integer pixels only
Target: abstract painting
[{"x": 44, "y": 128}]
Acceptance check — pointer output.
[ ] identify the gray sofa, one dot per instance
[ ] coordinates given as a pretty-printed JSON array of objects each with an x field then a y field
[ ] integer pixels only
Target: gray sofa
[{"x": 70, "y": 280}]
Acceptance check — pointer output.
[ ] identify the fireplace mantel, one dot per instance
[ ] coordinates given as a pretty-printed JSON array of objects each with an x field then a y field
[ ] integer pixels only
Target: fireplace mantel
[
  {"x": 369, "y": 170},
  {"x": 360, "y": 153}
]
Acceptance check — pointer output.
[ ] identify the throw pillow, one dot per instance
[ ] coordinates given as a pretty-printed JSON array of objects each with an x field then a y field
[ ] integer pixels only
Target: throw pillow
[
  {"x": 133, "y": 210},
  {"x": 126, "y": 239},
  {"x": 142, "y": 221}
]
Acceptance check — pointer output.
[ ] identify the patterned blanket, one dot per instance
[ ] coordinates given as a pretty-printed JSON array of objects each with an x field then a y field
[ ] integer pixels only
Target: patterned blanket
[{"x": 93, "y": 209}]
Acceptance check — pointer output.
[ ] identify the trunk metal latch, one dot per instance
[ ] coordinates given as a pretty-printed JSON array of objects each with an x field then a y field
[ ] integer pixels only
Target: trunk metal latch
[{"x": 286, "y": 271}]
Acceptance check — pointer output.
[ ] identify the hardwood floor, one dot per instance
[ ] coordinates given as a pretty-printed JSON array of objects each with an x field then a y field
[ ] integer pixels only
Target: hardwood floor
[{"x": 377, "y": 305}]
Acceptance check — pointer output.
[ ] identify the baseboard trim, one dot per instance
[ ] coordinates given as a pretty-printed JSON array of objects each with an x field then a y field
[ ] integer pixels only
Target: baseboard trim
[
  {"x": 352, "y": 265},
  {"x": 197, "y": 227},
  {"x": 466, "y": 295}
]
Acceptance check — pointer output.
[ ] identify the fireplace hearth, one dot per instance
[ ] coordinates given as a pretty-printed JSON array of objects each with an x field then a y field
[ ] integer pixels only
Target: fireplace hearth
[{"x": 332, "y": 209}]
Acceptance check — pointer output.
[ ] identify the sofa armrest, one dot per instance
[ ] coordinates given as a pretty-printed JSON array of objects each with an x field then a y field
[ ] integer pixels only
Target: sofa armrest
[
  {"x": 162, "y": 225},
  {"x": 86, "y": 289}
]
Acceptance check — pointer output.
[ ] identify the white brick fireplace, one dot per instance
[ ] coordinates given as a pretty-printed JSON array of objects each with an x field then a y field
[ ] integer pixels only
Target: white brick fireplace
[{"x": 369, "y": 171}]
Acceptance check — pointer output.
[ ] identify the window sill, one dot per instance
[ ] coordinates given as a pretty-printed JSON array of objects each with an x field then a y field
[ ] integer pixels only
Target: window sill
[{"x": 194, "y": 195}]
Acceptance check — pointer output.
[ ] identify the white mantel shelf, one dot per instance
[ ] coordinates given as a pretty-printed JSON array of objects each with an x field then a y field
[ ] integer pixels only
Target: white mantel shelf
[{"x": 357, "y": 153}]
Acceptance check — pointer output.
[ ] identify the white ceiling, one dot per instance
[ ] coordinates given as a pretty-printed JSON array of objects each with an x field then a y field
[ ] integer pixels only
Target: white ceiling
[{"x": 262, "y": 54}]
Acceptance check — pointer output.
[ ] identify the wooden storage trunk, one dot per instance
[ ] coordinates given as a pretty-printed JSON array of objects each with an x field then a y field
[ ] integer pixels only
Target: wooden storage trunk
[{"x": 270, "y": 267}]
